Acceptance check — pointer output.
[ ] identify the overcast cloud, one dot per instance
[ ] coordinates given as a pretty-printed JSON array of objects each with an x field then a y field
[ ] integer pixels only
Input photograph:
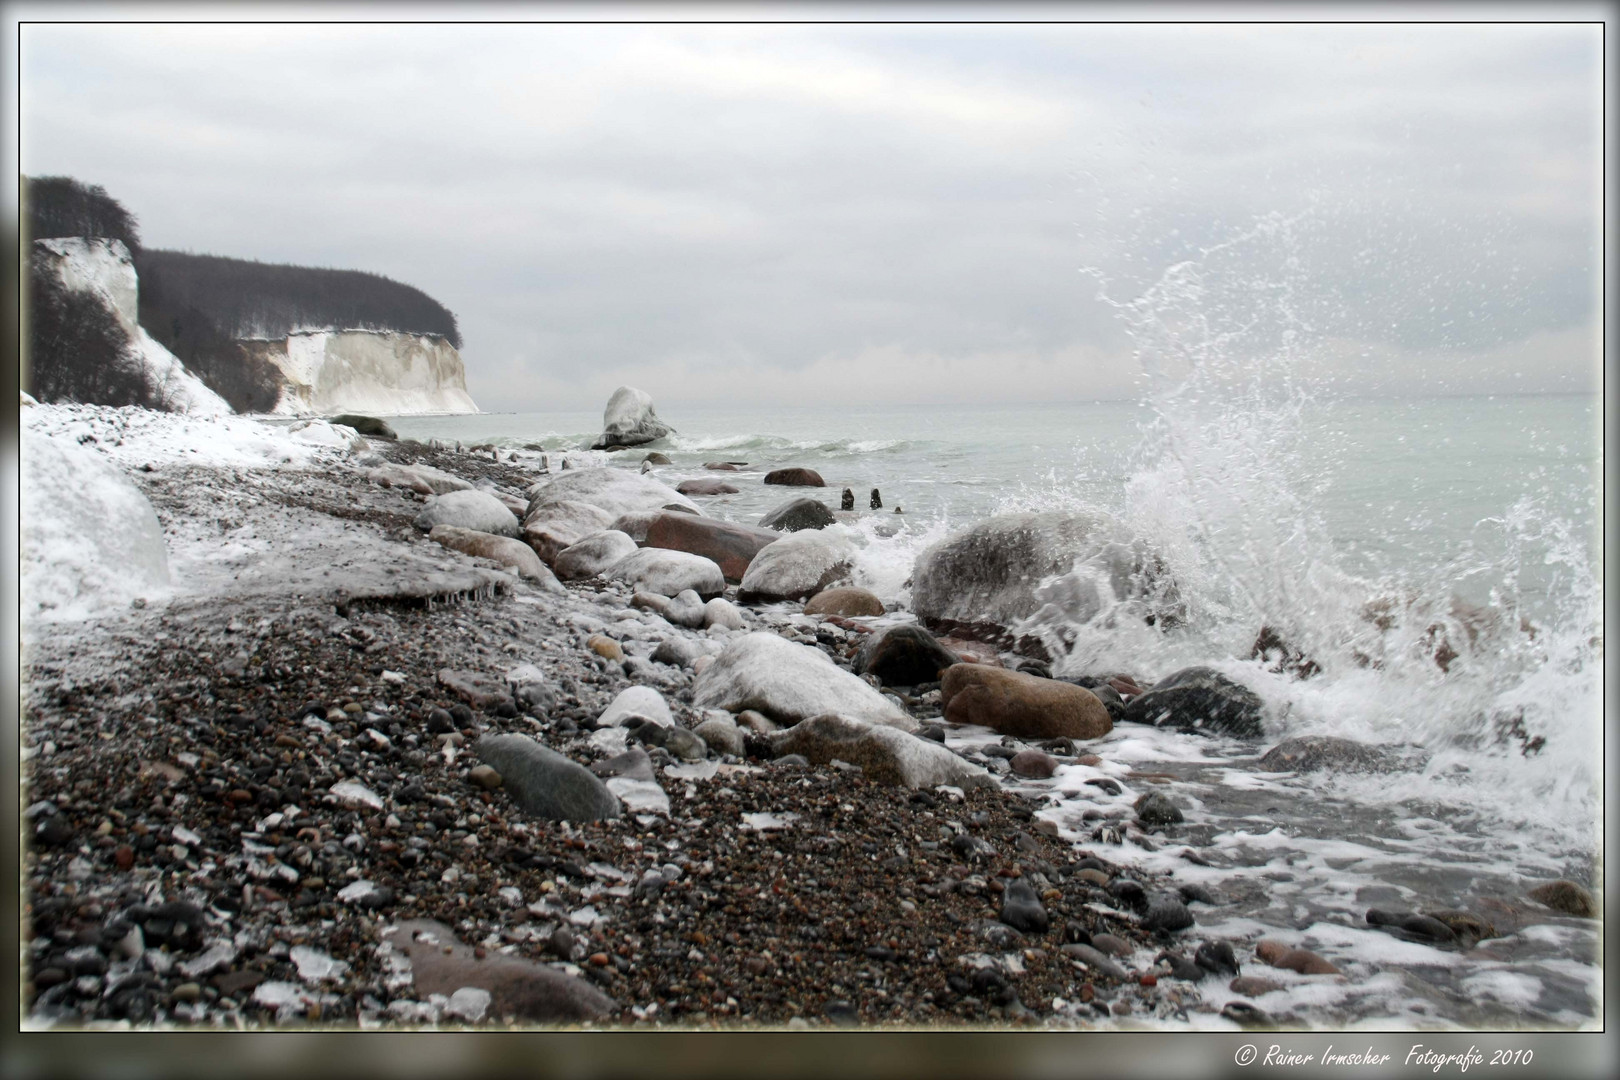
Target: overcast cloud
[{"x": 824, "y": 213}]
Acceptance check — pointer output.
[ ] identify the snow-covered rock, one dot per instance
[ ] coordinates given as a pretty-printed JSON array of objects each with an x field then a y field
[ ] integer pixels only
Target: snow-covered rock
[
  {"x": 379, "y": 373},
  {"x": 798, "y": 565},
  {"x": 90, "y": 539},
  {"x": 788, "y": 683},
  {"x": 668, "y": 573},
  {"x": 470, "y": 509},
  {"x": 629, "y": 420},
  {"x": 618, "y": 491},
  {"x": 103, "y": 269}
]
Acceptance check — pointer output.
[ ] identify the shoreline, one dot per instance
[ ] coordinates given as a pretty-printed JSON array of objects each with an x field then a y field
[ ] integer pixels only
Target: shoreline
[{"x": 260, "y": 640}]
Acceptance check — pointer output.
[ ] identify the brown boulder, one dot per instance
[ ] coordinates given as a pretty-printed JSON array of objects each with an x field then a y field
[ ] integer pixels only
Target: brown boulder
[
  {"x": 521, "y": 989},
  {"x": 731, "y": 546},
  {"x": 706, "y": 487},
  {"x": 795, "y": 478},
  {"x": 551, "y": 527},
  {"x": 720, "y": 466},
  {"x": 847, "y": 601},
  {"x": 1025, "y": 706},
  {"x": 1279, "y": 955}
]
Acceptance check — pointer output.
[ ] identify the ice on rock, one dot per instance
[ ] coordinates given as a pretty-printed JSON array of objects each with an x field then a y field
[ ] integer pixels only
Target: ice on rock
[
  {"x": 314, "y": 965},
  {"x": 642, "y": 795},
  {"x": 90, "y": 539},
  {"x": 356, "y": 796},
  {"x": 469, "y": 1003}
]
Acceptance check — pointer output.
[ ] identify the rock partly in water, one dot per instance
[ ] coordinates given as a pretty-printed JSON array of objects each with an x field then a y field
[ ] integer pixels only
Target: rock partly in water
[
  {"x": 706, "y": 487},
  {"x": 731, "y": 546},
  {"x": 1155, "y": 808},
  {"x": 1200, "y": 699},
  {"x": 665, "y": 572},
  {"x": 521, "y": 989},
  {"x": 476, "y": 510},
  {"x": 514, "y": 554},
  {"x": 630, "y": 420},
  {"x": 1282, "y": 955},
  {"x": 592, "y": 555},
  {"x": 846, "y": 601},
  {"x": 795, "y": 477},
  {"x": 902, "y": 656},
  {"x": 789, "y": 683},
  {"x": 545, "y": 783},
  {"x": 885, "y": 754},
  {"x": 1412, "y": 926},
  {"x": 1314, "y": 753},
  {"x": 1026, "y": 706},
  {"x": 987, "y": 581},
  {"x": 797, "y": 514},
  {"x": 797, "y": 565},
  {"x": 1565, "y": 896},
  {"x": 369, "y": 426}
]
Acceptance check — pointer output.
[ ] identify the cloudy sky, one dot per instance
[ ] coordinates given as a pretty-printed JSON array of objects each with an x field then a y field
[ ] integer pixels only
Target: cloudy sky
[{"x": 820, "y": 213}]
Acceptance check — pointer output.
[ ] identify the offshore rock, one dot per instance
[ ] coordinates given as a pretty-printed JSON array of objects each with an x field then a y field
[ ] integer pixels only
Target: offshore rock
[
  {"x": 800, "y": 513},
  {"x": 1202, "y": 700},
  {"x": 795, "y": 477},
  {"x": 630, "y": 420},
  {"x": 797, "y": 565}
]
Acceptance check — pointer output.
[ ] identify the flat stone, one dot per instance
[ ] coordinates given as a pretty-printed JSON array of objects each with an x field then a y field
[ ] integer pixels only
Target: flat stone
[
  {"x": 472, "y": 509},
  {"x": 667, "y": 573},
  {"x": 513, "y": 554}
]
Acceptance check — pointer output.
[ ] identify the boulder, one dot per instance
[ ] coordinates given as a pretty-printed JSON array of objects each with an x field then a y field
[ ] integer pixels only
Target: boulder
[
  {"x": 797, "y": 565},
  {"x": 1313, "y": 753},
  {"x": 706, "y": 487},
  {"x": 721, "y": 466},
  {"x": 885, "y": 754},
  {"x": 722, "y": 736},
  {"x": 1199, "y": 699},
  {"x": 985, "y": 581},
  {"x": 630, "y": 420},
  {"x": 796, "y": 514},
  {"x": 515, "y": 554},
  {"x": 522, "y": 989},
  {"x": 618, "y": 491},
  {"x": 1282, "y": 955},
  {"x": 470, "y": 509},
  {"x": 902, "y": 656},
  {"x": 846, "y": 601},
  {"x": 1025, "y": 706},
  {"x": 795, "y": 478},
  {"x": 552, "y": 527},
  {"x": 636, "y": 701},
  {"x": 667, "y": 573},
  {"x": 789, "y": 683},
  {"x": 686, "y": 609},
  {"x": 732, "y": 547},
  {"x": 592, "y": 555},
  {"x": 1566, "y": 896},
  {"x": 722, "y": 613},
  {"x": 366, "y": 425},
  {"x": 543, "y": 782},
  {"x": 655, "y": 458},
  {"x": 636, "y": 523}
]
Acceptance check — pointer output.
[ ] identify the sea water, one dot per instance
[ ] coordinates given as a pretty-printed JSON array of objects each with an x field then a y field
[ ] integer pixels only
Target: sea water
[{"x": 1437, "y": 559}]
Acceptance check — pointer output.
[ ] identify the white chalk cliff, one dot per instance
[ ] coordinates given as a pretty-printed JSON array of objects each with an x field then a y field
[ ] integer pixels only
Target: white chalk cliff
[
  {"x": 379, "y": 373},
  {"x": 103, "y": 269}
]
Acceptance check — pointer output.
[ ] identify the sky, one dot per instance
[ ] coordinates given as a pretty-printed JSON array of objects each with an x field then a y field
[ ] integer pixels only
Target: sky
[{"x": 818, "y": 214}]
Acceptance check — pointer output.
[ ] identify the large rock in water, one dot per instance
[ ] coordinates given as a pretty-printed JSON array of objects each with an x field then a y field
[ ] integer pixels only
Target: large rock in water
[
  {"x": 732, "y": 547},
  {"x": 592, "y": 555},
  {"x": 1025, "y": 706},
  {"x": 903, "y": 656},
  {"x": 984, "y": 581},
  {"x": 1313, "y": 753},
  {"x": 519, "y": 988},
  {"x": 553, "y": 527},
  {"x": 629, "y": 420},
  {"x": 798, "y": 565},
  {"x": 884, "y": 754},
  {"x": 795, "y": 477},
  {"x": 515, "y": 554},
  {"x": 471, "y": 509},
  {"x": 706, "y": 487},
  {"x": 1199, "y": 699},
  {"x": 667, "y": 573},
  {"x": 545, "y": 783},
  {"x": 617, "y": 491},
  {"x": 796, "y": 514},
  {"x": 789, "y": 683}
]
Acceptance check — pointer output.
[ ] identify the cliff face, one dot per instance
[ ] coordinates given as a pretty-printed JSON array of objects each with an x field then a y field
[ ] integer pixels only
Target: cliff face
[
  {"x": 102, "y": 268},
  {"x": 366, "y": 371}
]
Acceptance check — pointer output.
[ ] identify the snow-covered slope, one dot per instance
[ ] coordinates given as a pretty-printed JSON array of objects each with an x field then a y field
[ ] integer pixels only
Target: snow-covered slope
[
  {"x": 103, "y": 269},
  {"x": 368, "y": 371}
]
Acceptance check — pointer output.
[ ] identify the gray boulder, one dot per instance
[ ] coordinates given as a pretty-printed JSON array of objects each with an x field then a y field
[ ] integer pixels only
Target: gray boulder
[
  {"x": 796, "y": 514},
  {"x": 885, "y": 754},
  {"x": 668, "y": 573},
  {"x": 789, "y": 683},
  {"x": 630, "y": 420},
  {"x": 1047, "y": 568},
  {"x": 686, "y": 609},
  {"x": 636, "y": 701},
  {"x": 798, "y": 565},
  {"x": 551, "y": 527},
  {"x": 545, "y": 783},
  {"x": 723, "y": 736},
  {"x": 617, "y": 491},
  {"x": 1202, "y": 700},
  {"x": 592, "y": 555},
  {"x": 469, "y": 509}
]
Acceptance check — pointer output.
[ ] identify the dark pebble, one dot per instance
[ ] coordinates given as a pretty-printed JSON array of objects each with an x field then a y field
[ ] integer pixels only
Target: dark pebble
[
  {"x": 1195, "y": 894},
  {"x": 1156, "y": 809},
  {"x": 440, "y": 722},
  {"x": 1021, "y": 908},
  {"x": 1217, "y": 957},
  {"x": 1167, "y": 915}
]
